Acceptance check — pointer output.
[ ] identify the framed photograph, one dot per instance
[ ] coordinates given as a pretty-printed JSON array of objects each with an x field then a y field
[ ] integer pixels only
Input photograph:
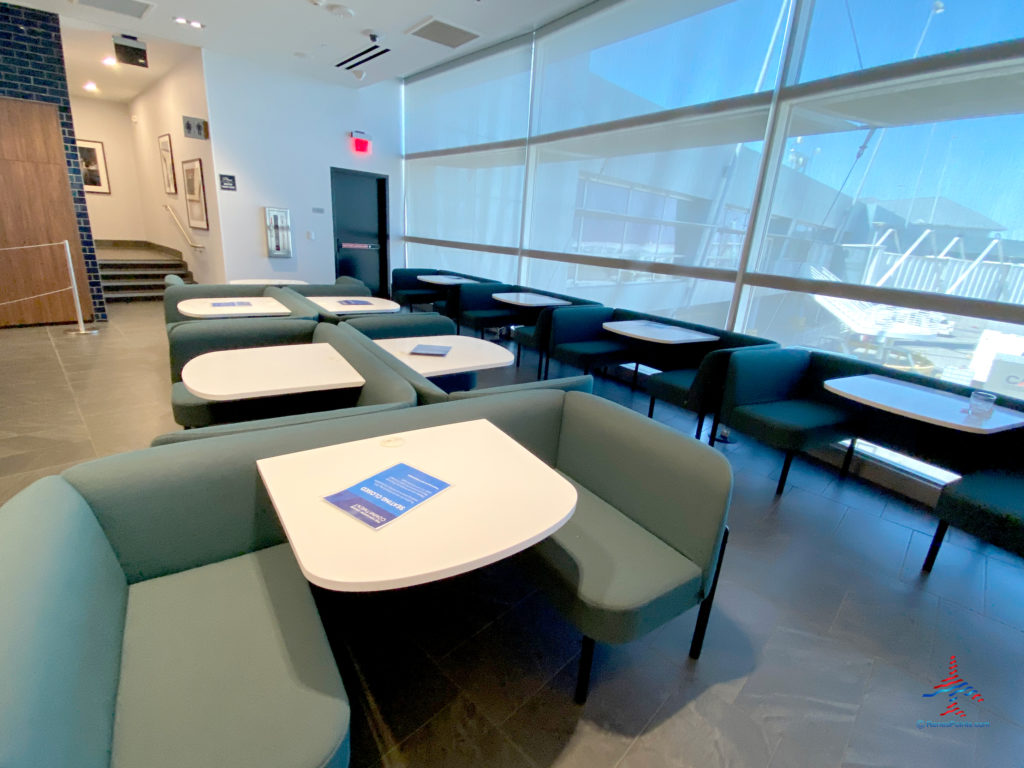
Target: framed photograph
[
  {"x": 167, "y": 164},
  {"x": 195, "y": 193},
  {"x": 279, "y": 233},
  {"x": 94, "y": 167}
]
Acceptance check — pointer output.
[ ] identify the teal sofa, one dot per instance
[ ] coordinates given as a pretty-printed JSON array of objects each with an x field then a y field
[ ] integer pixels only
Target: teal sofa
[
  {"x": 627, "y": 470},
  {"x": 152, "y": 616},
  {"x": 383, "y": 390}
]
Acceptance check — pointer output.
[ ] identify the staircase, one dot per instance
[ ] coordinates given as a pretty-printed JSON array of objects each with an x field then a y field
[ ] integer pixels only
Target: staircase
[{"x": 139, "y": 280}]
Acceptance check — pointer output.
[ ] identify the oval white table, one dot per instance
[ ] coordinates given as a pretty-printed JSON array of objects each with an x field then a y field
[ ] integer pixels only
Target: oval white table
[
  {"x": 344, "y": 305},
  {"x": 659, "y": 333},
  {"x": 922, "y": 403},
  {"x": 445, "y": 279},
  {"x": 237, "y": 374},
  {"x": 479, "y": 519},
  {"x": 466, "y": 354},
  {"x": 528, "y": 299},
  {"x": 233, "y": 306}
]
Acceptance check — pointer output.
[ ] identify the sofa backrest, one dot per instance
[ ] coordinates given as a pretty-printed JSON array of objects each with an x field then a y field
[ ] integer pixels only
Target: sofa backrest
[
  {"x": 674, "y": 486},
  {"x": 427, "y": 392},
  {"x": 62, "y": 614},
  {"x": 383, "y": 385},
  {"x": 578, "y": 323},
  {"x": 351, "y": 287},
  {"x": 397, "y": 326},
  {"x": 175, "y": 507},
  {"x": 188, "y": 340},
  {"x": 405, "y": 278},
  {"x": 473, "y": 296}
]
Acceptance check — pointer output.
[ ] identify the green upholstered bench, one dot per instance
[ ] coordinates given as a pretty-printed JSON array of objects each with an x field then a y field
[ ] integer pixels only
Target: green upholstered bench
[
  {"x": 383, "y": 390},
  {"x": 153, "y": 617},
  {"x": 631, "y": 512}
]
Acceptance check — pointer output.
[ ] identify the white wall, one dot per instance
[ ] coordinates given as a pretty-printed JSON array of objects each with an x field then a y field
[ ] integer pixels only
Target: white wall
[
  {"x": 280, "y": 135},
  {"x": 159, "y": 110},
  {"x": 117, "y": 216}
]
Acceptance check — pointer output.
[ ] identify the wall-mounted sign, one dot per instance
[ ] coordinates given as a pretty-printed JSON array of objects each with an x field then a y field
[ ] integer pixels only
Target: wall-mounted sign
[
  {"x": 361, "y": 142},
  {"x": 227, "y": 183},
  {"x": 195, "y": 128},
  {"x": 279, "y": 233}
]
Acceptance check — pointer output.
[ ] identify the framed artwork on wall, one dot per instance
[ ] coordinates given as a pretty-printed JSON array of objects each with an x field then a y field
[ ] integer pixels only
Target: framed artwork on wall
[
  {"x": 167, "y": 164},
  {"x": 279, "y": 233},
  {"x": 94, "y": 167},
  {"x": 195, "y": 193}
]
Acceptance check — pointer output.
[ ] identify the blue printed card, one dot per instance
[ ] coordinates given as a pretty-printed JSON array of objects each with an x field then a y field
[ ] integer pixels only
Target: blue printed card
[
  {"x": 387, "y": 495},
  {"x": 232, "y": 303},
  {"x": 350, "y": 302},
  {"x": 435, "y": 350}
]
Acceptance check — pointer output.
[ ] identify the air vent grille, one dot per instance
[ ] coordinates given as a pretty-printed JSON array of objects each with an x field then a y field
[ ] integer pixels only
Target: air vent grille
[
  {"x": 445, "y": 34},
  {"x": 358, "y": 59},
  {"x": 133, "y": 8}
]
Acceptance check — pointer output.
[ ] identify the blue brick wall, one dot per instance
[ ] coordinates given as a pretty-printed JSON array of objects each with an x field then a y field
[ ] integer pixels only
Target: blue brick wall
[{"x": 32, "y": 67}]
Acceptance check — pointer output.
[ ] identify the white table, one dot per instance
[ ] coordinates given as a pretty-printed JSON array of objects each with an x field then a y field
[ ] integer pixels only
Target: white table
[
  {"x": 266, "y": 281},
  {"x": 466, "y": 354},
  {"x": 479, "y": 519},
  {"x": 445, "y": 279},
  {"x": 527, "y": 299},
  {"x": 922, "y": 403},
  {"x": 366, "y": 304},
  {"x": 233, "y": 306},
  {"x": 236, "y": 374},
  {"x": 660, "y": 333}
]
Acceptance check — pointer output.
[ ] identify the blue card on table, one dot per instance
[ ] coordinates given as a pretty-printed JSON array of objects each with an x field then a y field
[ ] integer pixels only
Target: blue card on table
[
  {"x": 225, "y": 303},
  {"x": 436, "y": 350},
  {"x": 349, "y": 302},
  {"x": 387, "y": 495}
]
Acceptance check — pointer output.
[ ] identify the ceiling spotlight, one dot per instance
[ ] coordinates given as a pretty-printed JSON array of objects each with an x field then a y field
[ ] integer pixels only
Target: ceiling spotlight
[
  {"x": 196, "y": 24},
  {"x": 110, "y": 61},
  {"x": 91, "y": 87},
  {"x": 181, "y": 20},
  {"x": 358, "y": 74},
  {"x": 341, "y": 10}
]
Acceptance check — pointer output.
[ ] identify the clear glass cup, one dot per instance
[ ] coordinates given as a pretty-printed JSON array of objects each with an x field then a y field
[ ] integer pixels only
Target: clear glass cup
[{"x": 981, "y": 405}]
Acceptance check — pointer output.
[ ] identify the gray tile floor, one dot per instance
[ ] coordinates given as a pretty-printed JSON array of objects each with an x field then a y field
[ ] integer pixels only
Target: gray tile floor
[{"x": 823, "y": 639}]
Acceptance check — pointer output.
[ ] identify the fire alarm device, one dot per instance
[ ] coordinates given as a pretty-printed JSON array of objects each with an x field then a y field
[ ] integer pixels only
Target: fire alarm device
[{"x": 361, "y": 142}]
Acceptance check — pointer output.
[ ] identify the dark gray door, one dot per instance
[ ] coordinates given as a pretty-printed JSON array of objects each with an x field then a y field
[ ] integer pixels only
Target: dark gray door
[{"x": 360, "y": 203}]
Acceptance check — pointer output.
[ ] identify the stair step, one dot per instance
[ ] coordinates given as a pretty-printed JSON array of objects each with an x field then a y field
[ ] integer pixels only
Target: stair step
[
  {"x": 129, "y": 285},
  {"x": 168, "y": 264},
  {"x": 157, "y": 274},
  {"x": 134, "y": 295}
]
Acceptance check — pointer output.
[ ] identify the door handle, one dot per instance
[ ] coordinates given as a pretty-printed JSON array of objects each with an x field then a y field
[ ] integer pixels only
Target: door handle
[{"x": 360, "y": 246}]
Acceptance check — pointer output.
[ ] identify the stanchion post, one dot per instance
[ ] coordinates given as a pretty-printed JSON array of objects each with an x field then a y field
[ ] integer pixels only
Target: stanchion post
[{"x": 74, "y": 294}]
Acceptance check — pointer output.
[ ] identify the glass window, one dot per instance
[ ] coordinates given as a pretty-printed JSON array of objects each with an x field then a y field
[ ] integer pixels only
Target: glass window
[
  {"x": 965, "y": 350},
  {"x": 846, "y": 36},
  {"x": 645, "y": 56},
  {"x": 495, "y": 266},
  {"x": 473, "y": 197},
  {"x": 929, "y": 206},
  {"x": 487, "y": 100},
  {"x": 685, "y": 298}
]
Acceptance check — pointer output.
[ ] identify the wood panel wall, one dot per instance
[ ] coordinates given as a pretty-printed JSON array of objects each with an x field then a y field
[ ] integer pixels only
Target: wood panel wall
[{"x": 36, "y": 207}]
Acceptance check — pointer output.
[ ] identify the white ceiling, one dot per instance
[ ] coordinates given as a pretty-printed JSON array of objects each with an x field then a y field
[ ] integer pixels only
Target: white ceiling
[{"x": 300, "y": 37}]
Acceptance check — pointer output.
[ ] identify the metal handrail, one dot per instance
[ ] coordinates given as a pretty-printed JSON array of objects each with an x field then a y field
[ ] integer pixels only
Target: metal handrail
[{"x": 184, "y": 232}]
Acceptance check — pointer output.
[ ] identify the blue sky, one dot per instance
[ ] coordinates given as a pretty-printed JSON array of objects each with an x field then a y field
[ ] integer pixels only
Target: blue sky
[{"x": 977, "y": 162}]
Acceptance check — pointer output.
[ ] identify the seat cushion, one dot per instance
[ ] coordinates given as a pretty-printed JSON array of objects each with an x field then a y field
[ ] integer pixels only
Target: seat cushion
[
  {"x": 587, "y": 354},
  {"x": 525, "y": 335},
  {"x": 591, "y": 568},
  {"x": 228, "y": 665},
  {"x": 791, "y": 424},
  {"x": 988, "y": 504},
  {"x": 673, "y": 386},
  {"x": 416, "y": 295},
  {"x": 490, "y": 318}
]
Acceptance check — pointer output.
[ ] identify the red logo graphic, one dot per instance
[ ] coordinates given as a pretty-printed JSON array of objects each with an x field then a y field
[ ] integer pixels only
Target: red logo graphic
[{"x": 955, "y": 686}]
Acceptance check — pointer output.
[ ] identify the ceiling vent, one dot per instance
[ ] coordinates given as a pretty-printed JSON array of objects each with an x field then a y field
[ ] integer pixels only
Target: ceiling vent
[
  {"x": 362, "y": 57},
  {"x": 134, "y": 8},
  {"x": 445, "y": 34}
]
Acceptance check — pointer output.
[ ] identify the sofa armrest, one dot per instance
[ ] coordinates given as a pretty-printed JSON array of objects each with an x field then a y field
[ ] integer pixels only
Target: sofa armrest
[
  {"x": 567, "y": 384},
  {"x": 763, "y": 376},
  {"x": 577, "y": 323},
  {"x": 674, "y": 486},
  {"x": 189, "y": 340}
]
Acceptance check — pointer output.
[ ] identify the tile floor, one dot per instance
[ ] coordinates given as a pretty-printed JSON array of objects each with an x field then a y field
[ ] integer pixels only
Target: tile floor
[{"x": 823, "y": 639}]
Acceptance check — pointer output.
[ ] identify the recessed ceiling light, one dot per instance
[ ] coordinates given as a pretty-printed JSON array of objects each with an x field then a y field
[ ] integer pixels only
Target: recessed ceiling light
[
  {"x": 191, "y": 22},
  {"x": 196, "y": 24},
  {"x": 91, "y": 87},
  {"x": 181, "y": 20},
  {"x": 110, "y": 61}
]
